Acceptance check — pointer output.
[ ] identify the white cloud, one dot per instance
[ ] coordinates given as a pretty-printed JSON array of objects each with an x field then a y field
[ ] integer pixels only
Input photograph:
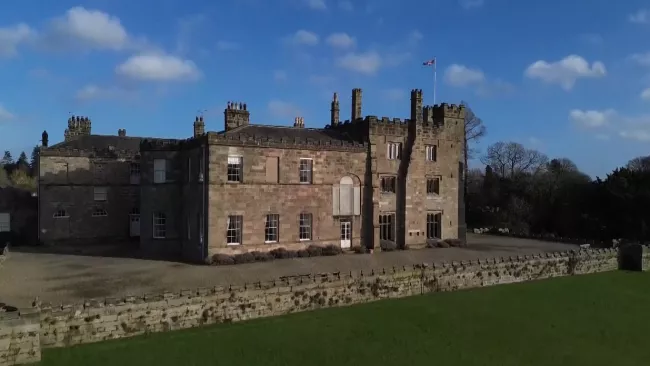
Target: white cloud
[
  {"x": 364, "y": 63},
  {"x": 227, "y": 46},
  {"x": 303, "y": 37},
  {"x": 5, "y": 115},
  {"x": 642, "y": 59},
  {"x": 415, "y": 37},
  {"x": 188, "y": 27},
  {"x": 12, "y": 37},
  {"x": 566, "y": 71},
  {"x": 346, "y": 5},
  {"x": 340, "y": 40},
  {"x": 281, "y": 109},
  {"x": 471, "y": 4},
  {"x": 317, "y": 4},
  {"x": 94, "y": 92},
  {"x": 592, "y": 118},
  {"x": 636, "y": 135},
  {"x": 158, "y": 68},
  {"x": 92, "y": 28},
  {"x": 641, "y": 16},
  {"x": 393, "y": 94},
  {"x": 592, "y": 38},
  {"x": 645, "y": 95},
  {"x": 462, "y": 76},
  {"x": 321, "y": 79},
  {"x": 280, "y": 75}
]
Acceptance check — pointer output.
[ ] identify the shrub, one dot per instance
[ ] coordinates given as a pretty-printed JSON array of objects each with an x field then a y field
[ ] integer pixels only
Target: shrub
[
  {"x": 332, "y": 249},
  {"x": 432, "y": 243},
  {"x": 302, "y": 253},
  {"x": 244, "y": 258},
  {"x": 387, "y": 245},
  {"x": 442, "y": 244},
  {"x": 360, "y": 249},
  {"x": 314, "y": 251},
  {"x": 222, "y": 259},
  {"x": 262, "y": 256}
]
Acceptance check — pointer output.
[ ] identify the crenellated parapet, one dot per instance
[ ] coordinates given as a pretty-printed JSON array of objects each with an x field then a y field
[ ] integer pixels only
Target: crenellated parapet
[
  {"x": 77, "y": 126},
  {"x": 241, "y": 139},
  {"x": 109, "y": 153}
]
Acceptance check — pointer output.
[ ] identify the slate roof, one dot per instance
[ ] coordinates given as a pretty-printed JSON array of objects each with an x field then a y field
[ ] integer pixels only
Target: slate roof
[
  {"x": 100, "y": 142},
  {"x": 290, "y": 133}
]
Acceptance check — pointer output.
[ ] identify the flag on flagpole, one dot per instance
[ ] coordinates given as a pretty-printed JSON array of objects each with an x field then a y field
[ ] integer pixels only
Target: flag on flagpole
[{"x": 430, "y": 62}]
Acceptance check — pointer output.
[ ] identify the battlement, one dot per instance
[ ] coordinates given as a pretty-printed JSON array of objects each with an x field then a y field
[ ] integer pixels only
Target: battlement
[
  {"x": 236, "y": 106},
  {"x": 448, "y": 110},
  {"x": 79, "y": 122},
  {"x": 386, "y": 120},
  {"x": 236, "y": 115}
]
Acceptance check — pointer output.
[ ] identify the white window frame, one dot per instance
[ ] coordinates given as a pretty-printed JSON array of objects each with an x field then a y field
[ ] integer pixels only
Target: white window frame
[
  {"x": 236, "y": 163},
  {"x": 306, "y": 176},
  {"x": 5, "y": 225},
  {"x": 201, "y": 168},
  {"x": 60, "y": 214},
  {"x": 134, "y": 172},
  {"x": 305, "y": 226},
  {"x": 234, "y": 233},
  {"x": 159, "y": 171},
  {"x": 431, "y": 225},
  {"x": 99, "y": 212},
  {"x": 390, "y": 224},
  {"x": 272, "y": 228},
  {"x": 394, "y": 150},
  {"x": 159, "y": 225},
  {"x": 100, "y": 194},
  {"x": 432, "y": 153}
]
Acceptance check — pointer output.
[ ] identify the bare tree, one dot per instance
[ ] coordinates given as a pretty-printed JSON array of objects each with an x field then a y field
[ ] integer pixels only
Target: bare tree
[
  {"x": 641, "y": 164},
  {"x": 474, "y": 130},
  {"x": 509, "y": 159}
]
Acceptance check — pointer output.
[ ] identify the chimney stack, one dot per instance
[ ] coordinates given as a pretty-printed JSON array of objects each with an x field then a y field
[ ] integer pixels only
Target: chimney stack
[
  {"x": 356, "y": 105},
  {"x": 199, "y": 126},
  {"x": 335, "y": 111},
  {"x": 121, "y": 132},
  {"x": 299, "y": 122}
]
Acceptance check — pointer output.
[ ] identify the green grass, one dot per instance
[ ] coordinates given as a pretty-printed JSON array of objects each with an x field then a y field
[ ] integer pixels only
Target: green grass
[{"x": 601, "y": 319}]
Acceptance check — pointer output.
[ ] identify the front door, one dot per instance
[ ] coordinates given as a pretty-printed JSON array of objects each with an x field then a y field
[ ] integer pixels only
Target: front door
[
  {"x": 346, "y": 234},
  {"x": 134, "y": 225}
]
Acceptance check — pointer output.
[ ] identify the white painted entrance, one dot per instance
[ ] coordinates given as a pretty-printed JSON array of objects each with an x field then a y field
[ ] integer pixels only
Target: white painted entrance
[
  {"x": 346, "y": 234},
  {"x": 134, "y": 223}
]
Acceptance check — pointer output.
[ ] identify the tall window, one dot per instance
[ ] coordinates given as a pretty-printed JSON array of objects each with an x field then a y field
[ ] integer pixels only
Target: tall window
[
  {"x": 306, "y": 166},
  {"x": 388, "y": 184},
  {"x": 433, "y": 186},
  {"x": 432, "y": 152},
  {"x": 159, "y": 170},
  {"x": 234, "y": 231},
  {"x": 159, "y": 225},
  {"x": 387, "y": 227},
  {"x": 99, "y": 212},
  {"x": 200, "y": 168},
  {"x": 272, "y": 228},
  {"x": 304, "y": 225},
  {"x": 200, "y": 228},
  {"x": 434, "y": 225},
  {"x": 60, "y": 214},
  {"x": 99, "y": 170},
  {"x": 135, "y": 173},
  {"x": 394, "y": 150},
  {"x": 234, "y": 169},
  {"x": 100, "y": 194}
]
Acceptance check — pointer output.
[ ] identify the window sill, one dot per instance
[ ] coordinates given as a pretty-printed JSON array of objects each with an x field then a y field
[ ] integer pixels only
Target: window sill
[
  {"x": 61, "y": 217},
  {"x": 159, "y": 237},
  {"x": 233, "y": 244},
  {"x": 304, "y": 240},
  {"x": 233, "y": 182},
  {"x": 271, "y": 242}
]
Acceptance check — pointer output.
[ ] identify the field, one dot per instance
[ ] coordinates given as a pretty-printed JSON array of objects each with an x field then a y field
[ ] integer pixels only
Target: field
[{"x": 599, "y": 319}]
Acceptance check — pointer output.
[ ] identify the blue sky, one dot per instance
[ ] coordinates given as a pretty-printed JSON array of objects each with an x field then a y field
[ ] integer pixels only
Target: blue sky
[{"x": 569, "y": 78}]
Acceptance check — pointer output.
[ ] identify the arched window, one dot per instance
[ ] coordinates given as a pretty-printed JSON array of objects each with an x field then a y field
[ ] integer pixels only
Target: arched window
[{"x": 346, "y": 187}]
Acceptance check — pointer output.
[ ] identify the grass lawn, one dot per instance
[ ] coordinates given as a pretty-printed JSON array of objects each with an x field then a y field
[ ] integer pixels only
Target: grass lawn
[{"x": 601, "y": 319}]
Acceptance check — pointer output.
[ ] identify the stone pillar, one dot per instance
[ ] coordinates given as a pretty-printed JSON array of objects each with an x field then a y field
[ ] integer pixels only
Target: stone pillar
[{"x": 356, "y": 104}]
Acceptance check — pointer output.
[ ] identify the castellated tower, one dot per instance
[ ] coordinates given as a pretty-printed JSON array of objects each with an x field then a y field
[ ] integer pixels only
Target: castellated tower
[
  {"x": 356, "y": 105},
  {"x": 416, "y": 105},
  {"x": 77, "y": 126},
  {"x": 199, "y": 126},
  {"x": 335, "y": 111},
  {"x": 236, "y": 115}
]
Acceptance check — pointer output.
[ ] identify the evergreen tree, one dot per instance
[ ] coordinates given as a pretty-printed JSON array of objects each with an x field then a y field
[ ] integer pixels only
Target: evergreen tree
[
  {"x": 7, "y": 159},
  {"x": 22, "y": 163},
  {"x": 34, "y": 159}
]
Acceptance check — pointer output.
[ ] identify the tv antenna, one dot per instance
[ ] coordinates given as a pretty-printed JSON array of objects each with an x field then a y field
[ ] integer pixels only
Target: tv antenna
[{"x": 201, "y": 111}]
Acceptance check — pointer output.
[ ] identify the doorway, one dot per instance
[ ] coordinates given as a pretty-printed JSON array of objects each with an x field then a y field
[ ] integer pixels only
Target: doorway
[
  {"x": 134, "y": 223},
  {"x": 346, "y": 233}
]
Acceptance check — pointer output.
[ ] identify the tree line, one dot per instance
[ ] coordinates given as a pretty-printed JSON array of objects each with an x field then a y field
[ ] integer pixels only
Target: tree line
[
  {"x": 19, "y": 173},
  {"x": 528, "y": 193}
]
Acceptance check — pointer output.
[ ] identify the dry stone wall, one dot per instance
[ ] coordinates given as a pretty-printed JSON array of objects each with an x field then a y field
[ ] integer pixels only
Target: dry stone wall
[
  {"x": 19, "y": 338},
  {"x": 117, "y": 318}
]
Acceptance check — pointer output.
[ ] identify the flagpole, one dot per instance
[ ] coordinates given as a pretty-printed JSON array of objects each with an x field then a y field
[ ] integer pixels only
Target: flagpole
[{"x": 435, "y": 67}]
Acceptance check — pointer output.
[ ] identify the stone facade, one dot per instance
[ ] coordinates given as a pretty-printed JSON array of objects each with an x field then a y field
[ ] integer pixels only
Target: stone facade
[
  {"x": 367, "y": 181},
  {"x": 19, "y": 337}
]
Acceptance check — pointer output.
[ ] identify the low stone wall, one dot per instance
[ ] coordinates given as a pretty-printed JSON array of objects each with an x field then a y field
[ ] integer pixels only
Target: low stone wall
[
  {"x": 19, "y": 338},
  {"x": 117, "y": 318},
  {"x": 95, "y": 321}
]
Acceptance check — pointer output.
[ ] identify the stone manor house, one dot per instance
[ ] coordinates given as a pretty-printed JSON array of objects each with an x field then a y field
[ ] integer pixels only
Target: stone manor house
[{"x": 366, "y": 181}]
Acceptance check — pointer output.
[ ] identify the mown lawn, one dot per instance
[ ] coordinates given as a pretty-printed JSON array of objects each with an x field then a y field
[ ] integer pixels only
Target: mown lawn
[{"x": 601, "y": 319}]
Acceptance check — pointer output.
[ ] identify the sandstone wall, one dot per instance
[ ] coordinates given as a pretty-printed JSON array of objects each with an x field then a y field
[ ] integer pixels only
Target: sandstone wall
[
  {"x": 19, "y": 338},
  {"x": 117, "y": 318}
]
